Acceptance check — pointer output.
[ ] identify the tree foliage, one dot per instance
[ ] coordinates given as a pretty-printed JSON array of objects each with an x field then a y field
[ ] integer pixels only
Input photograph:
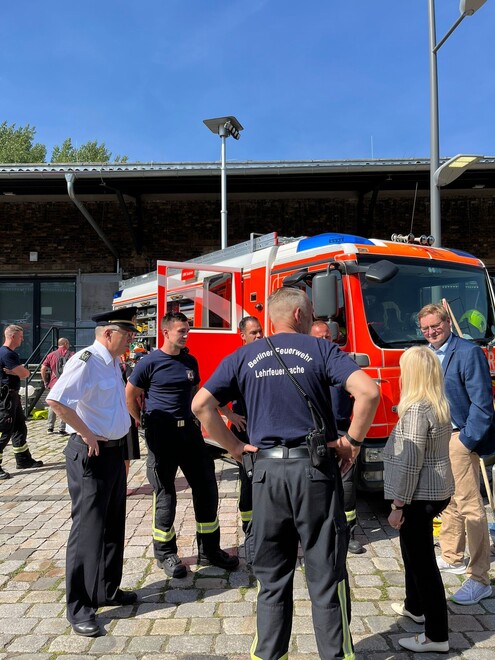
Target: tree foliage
[
  {"x": 90, "y": 152},
  {"x": 16, "y": 146}
]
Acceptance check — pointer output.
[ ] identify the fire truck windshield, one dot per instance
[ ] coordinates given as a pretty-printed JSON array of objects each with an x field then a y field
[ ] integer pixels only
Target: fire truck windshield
[{"x": 391, "y": 307}]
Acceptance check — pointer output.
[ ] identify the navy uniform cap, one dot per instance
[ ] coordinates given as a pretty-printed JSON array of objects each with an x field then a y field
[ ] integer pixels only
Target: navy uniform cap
[{"x": 124, "y": 318}]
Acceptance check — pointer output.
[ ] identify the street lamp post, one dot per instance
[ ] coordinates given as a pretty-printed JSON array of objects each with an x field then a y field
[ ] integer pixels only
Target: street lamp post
[
  {"x": 224, "y": 126},
  {"x": 466, "y": 8}
]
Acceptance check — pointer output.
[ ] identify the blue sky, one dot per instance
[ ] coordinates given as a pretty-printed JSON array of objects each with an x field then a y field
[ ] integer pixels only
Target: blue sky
[{"x": 319, "y": 79}]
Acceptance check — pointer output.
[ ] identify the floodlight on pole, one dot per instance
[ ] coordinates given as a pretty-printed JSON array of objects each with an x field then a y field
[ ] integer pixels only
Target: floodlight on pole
[
  {"x": 224, "y": 127},
  {"x": 466, "y": 8},
  {"x": 453, "y": 169}
]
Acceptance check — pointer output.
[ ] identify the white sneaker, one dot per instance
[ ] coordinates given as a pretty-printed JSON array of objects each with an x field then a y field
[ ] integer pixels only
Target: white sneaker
[
  {"x": 458, "y": 569},
  {"x": 399, "y": 609},
  {"x": 471, "y": 593},
  {"x": 418, "y": 644}
]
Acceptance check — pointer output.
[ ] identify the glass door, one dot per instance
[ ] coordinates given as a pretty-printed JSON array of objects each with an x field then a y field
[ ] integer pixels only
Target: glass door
[{"x": 17, "y": 308}]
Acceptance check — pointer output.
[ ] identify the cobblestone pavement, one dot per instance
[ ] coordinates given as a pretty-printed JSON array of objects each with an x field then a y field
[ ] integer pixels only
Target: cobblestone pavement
[{"x": 209, "y": 614}]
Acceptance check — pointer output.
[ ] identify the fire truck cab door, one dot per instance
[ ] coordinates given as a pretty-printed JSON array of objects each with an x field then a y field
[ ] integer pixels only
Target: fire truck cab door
[{"x": 210, "y": 296}]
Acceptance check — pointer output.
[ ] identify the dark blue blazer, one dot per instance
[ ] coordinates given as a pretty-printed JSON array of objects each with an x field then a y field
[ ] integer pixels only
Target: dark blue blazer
[{"x": 468, "y": 386}]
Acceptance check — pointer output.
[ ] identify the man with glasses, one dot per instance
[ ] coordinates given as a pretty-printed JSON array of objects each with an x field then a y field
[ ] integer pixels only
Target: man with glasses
[
  {"x": 468, "y": 387},
  {"x": 90, "y": 397}
]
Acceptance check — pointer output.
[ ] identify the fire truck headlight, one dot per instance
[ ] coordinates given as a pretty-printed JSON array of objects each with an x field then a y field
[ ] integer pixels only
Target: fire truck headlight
[
  {"x": 372, "y": 455},
  {"x": 372, "y": 475}
]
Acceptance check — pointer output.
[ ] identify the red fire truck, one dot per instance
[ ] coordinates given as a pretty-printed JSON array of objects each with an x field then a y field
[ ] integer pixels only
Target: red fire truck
[{"x": 369, "y": 290}]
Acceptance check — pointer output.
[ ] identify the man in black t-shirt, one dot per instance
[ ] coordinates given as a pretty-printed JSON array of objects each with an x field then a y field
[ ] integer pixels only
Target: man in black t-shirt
[
  {"x": 292, "y": 499},
  {"x": 168, "y": 378},
  {"x": 250, "y": 330},
  {"x": 342, "y": 410},
  {"x": 12, "y": 420}
]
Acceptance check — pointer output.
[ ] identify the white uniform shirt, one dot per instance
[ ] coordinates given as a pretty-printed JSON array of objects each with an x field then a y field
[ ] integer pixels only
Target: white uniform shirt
[{"x": 95, "y": 389}]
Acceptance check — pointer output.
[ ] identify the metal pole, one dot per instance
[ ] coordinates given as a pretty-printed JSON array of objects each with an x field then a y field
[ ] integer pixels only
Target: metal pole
[
  {"x": 223, "y": 210},
  {"x": 435, "y": 211}
]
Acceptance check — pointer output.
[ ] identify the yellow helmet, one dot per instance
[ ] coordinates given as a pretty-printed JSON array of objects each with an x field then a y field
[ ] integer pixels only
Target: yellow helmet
[{"x": 476, "y": 319}]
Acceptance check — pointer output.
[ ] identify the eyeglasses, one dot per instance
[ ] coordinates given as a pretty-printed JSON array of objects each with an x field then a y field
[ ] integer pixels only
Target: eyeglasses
[
  {"x": 130, "y": 334},
  {"x": 432, "y": 328}
]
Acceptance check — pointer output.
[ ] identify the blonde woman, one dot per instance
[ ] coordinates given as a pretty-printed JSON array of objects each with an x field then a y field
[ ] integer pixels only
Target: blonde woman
[{"x": 418, "y": 479}]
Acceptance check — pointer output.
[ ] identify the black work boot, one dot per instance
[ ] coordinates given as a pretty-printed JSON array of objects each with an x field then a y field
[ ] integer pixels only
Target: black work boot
[
  {"x": 354, "y": 546},
  {"x": 27, "y": 461},
  {"x": 218, "y": 558},
  {"x": 3, "y": 475}
]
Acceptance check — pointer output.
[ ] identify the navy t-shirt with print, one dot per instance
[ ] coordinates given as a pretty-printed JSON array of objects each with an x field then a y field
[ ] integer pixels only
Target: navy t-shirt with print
[
  {"x": 276, "y": 412},
  {"x": 168, "y": 382},
  {"x": 9, "y": 359}
]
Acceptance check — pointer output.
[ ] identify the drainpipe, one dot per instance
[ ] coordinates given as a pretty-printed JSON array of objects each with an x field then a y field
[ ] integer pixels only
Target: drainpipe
[{"x": 70, "y": 178}]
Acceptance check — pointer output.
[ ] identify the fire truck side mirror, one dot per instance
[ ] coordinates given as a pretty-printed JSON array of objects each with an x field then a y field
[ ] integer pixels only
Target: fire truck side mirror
[
  {"x": 382, "y": 271},
  {"x": 325, "y": 295}
]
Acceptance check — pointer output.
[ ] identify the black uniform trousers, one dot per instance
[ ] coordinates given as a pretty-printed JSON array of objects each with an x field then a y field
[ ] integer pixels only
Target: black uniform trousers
[
  {"x": 425, "y": 593},
  {"x": 95, "y": 549},
  {"x": 17, "y": 433},
  {"x": 171, "y": 446},
  {"x": 292, "y": 502},
  {"x": 245, "y": 503}
]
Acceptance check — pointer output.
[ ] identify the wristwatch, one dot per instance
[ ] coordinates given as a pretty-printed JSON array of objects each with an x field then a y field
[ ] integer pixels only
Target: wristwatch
[
  {"x": 394, "y": 507},
  {"x": 352, "y": 441}
]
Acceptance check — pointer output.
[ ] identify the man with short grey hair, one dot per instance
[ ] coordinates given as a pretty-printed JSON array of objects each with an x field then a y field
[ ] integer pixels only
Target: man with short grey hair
[{"x": 90, "y": 397}]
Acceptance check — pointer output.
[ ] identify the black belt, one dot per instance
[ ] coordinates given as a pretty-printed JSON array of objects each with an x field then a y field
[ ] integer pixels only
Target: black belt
[
  {"x": 109, "y": 444},
  {"x": 284, "y": 452},
  {"x": 102, "y": 444}
]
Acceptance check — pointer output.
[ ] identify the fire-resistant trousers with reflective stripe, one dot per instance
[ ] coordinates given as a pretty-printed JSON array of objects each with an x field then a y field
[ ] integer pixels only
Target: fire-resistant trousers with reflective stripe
[
  {"x": 17, "y": 433},
  {"x": 292, "y": 502},
  {"x": 171, "y": 447}
]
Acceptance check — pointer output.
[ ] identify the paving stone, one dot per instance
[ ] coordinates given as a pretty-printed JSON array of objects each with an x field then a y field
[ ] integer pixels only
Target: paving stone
[
  {"x": 52, "y": 627},
  {"x": 181, "y": 595},
  {"x": 240, "y": 625},
  {"x": 191, "y": 644},
  {"x": 242, "y": 608},
  {"x": 20, "y": 626},
  {"x": 305, "y": 643},
  {"x": 70, "y": 643},
  {"x": 205, "y": 626},
  {"x": 228, "y": 644},
  {"x": 195, "y": 610},
  {"x": 27, "y": 643},
  {"x": 169, "y": 627},
  {"x": 108, "y": 644},
  {"x": 368, "y": 581},
  {"x": 149, "y": 644}
]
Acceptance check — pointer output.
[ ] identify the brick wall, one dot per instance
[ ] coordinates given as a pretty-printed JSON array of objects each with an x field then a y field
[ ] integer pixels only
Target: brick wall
[{"x": 178, "y": 230}]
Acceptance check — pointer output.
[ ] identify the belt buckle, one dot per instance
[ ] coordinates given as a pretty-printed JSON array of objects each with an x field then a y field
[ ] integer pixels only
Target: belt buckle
[{"x": 181, "y": 423}]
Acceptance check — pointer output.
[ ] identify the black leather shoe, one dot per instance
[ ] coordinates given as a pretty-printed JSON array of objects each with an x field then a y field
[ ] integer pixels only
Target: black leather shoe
[
  {"x": 173, "y": 566},
  {"x": 218, "y": 558},
  {"x": 29, "y": 463},
  {"x": 355, "y": 547},
  {"x": 87, "y": 628},
  {"x": 3, "y": 474},
  {"x": 123, "y": 598}
]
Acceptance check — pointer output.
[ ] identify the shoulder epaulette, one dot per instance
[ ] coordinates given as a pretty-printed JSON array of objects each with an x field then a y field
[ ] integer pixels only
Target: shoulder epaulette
[{"x": 85, "y": 356}]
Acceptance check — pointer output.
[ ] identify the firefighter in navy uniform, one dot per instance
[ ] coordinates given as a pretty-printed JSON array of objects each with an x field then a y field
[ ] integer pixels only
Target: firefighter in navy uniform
[
  {"x": 250, "y": 330},
  {"x": 89, "y": 396},
  {"x": 168, "y": 377},
  {"x": 292, "y": 499}
]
